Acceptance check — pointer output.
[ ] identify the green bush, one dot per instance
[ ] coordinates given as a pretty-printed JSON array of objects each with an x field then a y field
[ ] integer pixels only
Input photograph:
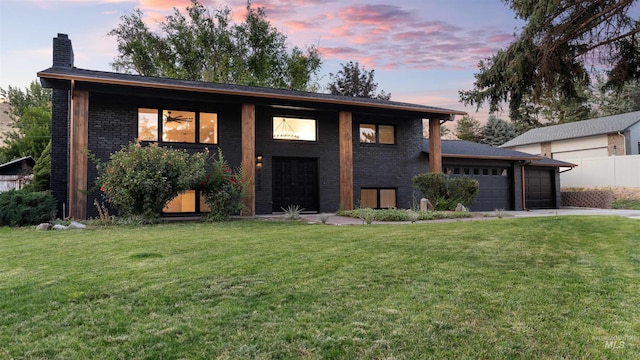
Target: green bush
[
  {"x": 140, "y": 180},
  {"x": 222, "y": 188},
  {"x": 400, "y": 214},
  {"x": 446, "y": 192},
  {"x": 42, "y": 171},
  {"x": 20, "y": 207}
]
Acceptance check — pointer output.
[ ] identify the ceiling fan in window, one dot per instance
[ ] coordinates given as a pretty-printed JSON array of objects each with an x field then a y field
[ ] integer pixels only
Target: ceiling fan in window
[{"x": 176, "y": 119}]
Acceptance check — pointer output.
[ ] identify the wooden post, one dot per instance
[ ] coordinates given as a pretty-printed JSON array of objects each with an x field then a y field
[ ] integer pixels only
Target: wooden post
[
  {"x": 346, "y": 160},
  {"x": 435, "y": 146},
  {"x": 249, "y": 156},
  {"x": 78, "y": 147}
]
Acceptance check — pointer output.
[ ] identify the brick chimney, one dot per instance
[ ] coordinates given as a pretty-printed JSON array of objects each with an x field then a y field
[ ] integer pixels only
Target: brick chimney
[{"x": 62, "y": 51}]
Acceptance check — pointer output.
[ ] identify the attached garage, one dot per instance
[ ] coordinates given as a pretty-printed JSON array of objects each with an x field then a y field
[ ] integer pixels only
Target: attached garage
[
  {"x": 541, "y": 187},
  {"x": 500, "y": 172},
  {"x": 494, "y": 178}
]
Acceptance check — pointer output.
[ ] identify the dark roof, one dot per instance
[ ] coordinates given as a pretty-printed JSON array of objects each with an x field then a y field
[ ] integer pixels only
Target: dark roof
[
  {"x": 17, "y": 166},
  {"x": 469, "y": 150},
  {"x": 578, "y": 129},
  {"x": 103, "y": 77}
]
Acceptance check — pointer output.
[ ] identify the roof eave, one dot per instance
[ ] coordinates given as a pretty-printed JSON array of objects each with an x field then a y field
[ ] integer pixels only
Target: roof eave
[{"x": 264, "y": 95}]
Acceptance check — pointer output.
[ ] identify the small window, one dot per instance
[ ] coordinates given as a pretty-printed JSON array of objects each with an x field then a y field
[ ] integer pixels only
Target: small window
[
  {"x": 381, "y": 198},
  {"x": 467, "y": 171},
  {"x": 208, "y": 128},
  {"x": 476, "y": 171},
  {"x": 186, "y": 203},
  {"x": 178, "y": 126},
  {"x": 147, "y": 124},
  {"x": 456, "y": 171},
  {"x": 494, "y": 172},
  {"x": 294, "y": 129},
  {"x": 485, "y": 171},
  {"x": 377, "y": 134},
  {"x": 505, "y": 172},
  {"x": 183, "y": 203}
]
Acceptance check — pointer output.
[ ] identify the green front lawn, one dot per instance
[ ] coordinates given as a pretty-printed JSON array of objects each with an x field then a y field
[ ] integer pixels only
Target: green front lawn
[
  {"x": 549, "y": 287},
  {"x": 633, "y": 204}
]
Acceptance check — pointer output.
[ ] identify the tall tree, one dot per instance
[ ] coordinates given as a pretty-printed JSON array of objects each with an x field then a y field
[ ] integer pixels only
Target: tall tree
[
  {"x": 497, "y": 131},
  {"x": 352, "y": 80},
  {"x": 205, "y": 45},
  {"x": 30, "y": 113},
  {"x": 555, "y": 50},
  {"x": 607, "y": 101},
  {"x": 468, "y": 128}
]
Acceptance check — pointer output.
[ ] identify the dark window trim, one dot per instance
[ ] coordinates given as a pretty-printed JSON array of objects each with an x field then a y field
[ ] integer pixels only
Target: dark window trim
[
  {"x": 395, "y": 189},
  {"x": 197, "y": 207},
  {"x": 196, "y": 125},
  {"x": 295, "y": 117},
  {"x": 377, "y": 131}
]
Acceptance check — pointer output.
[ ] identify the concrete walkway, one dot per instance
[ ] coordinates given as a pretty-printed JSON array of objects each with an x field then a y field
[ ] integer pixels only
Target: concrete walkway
[{"x": 332, "y": 219}]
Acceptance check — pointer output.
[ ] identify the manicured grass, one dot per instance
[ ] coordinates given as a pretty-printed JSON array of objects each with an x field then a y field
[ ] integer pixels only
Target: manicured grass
[
  {"x": 550, "y": 287},
  {"x": 633, "y": 204}
]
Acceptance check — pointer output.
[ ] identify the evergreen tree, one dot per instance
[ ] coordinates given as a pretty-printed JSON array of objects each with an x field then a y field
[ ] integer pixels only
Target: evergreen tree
[
  {"x": 552, "y": 56},
  {"x": 497, "y": 132}
]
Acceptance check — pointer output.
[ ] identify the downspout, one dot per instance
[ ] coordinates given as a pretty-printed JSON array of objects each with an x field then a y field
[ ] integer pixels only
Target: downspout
[{"x": 524, "y": 191}]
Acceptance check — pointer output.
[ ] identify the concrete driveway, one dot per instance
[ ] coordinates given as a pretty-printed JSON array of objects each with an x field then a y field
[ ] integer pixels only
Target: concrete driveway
[{"x": 634, "y": 214}]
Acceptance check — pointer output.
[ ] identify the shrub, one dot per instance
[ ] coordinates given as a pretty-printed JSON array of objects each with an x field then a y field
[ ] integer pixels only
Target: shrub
[
  {"x": 20, "y": 207},
  {"x": 140, "y": 180},
  {"x": 222, "y": 188},
  {"x": 446, "y": 192},
  {"x": 41, "y": 171}
]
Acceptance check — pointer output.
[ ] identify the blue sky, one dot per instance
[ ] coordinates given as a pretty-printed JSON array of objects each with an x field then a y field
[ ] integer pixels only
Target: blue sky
[{"x": 423, "y": 51}]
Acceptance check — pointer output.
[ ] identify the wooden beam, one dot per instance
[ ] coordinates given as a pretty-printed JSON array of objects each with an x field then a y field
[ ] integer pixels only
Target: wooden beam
[
  {"x": 346, "y": 160},
  {"x": 435, "y": 146},
  {"x": 249, "y": 157},
  {"x": 78, "y": 147}
]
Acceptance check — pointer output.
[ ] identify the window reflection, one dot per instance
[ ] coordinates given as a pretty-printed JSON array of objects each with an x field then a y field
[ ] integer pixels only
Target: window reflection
[
  {"x": 294, "y": 129},
  {"x": 147, "y": 124},
  {"x": 178, "y": 126}
]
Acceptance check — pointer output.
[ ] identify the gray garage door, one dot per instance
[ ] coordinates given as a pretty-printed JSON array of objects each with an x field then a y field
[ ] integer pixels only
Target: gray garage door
[
  {"x": 540, "y": 188},
  {"x": 495, "y": 186}
]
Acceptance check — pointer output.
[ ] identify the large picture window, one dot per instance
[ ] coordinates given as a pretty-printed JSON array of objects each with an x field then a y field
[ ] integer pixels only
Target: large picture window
[
  {"x": 177, "y": 126},
  {"x": 377, "y": 134},
  {"x": 378, "y": 198},
  {"x": 294, "y": 129}
]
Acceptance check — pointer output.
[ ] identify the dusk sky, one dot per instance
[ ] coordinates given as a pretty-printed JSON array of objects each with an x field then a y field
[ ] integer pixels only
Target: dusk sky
[{"x": 423, "y": 51}]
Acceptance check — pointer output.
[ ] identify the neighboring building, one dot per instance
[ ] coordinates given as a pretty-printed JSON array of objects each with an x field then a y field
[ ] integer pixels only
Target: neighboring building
[
  {"x": 508, "y": 179},
  {"x": 606, "y": 150},
  {"x": 605, "y": 136},
  {"x": 16, "y": 174},
  {"x": 319, "y": 151}
]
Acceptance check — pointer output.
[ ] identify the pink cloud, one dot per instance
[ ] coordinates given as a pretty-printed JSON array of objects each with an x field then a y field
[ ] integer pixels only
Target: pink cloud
[
  {"x": 164, "y": 4},
  {"x": 501, "y": 38},
  {"x": 374, "y": 14}
]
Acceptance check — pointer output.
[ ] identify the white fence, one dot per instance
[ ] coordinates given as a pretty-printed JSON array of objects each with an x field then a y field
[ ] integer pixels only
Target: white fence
[
  {"x": 623, "y": 171},
  {"x": 8, "y": 182}
]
